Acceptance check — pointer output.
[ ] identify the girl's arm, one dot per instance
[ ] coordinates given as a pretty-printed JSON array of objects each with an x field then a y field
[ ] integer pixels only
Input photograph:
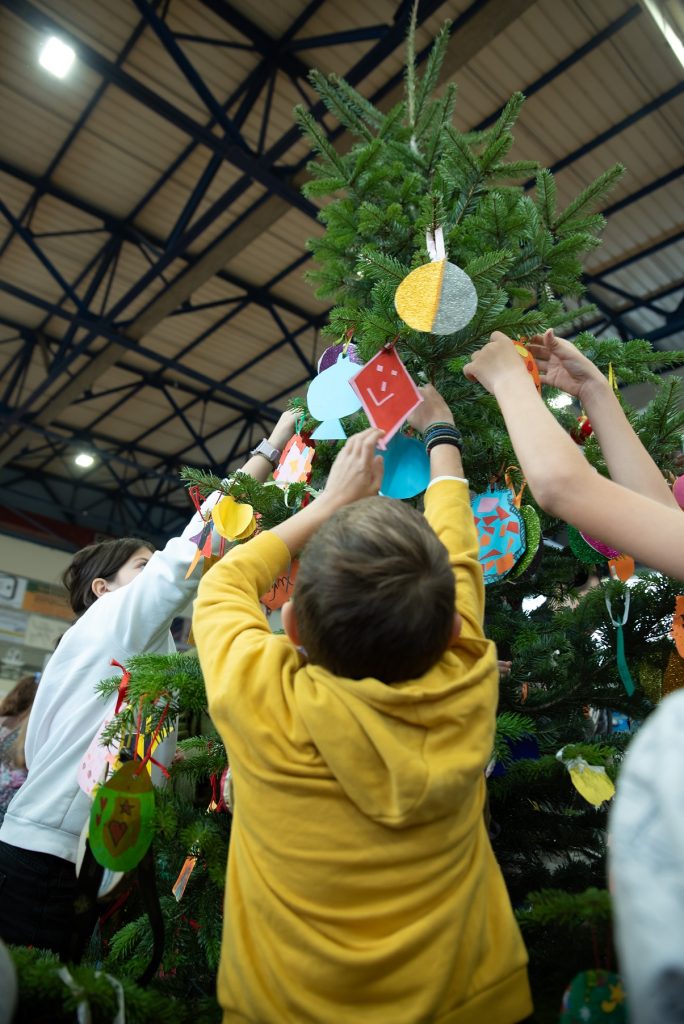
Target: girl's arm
[
  {"x": 139, "y": 614},
  {"x": 562, "y": 481},
  {"x": 563, "y": 366}
]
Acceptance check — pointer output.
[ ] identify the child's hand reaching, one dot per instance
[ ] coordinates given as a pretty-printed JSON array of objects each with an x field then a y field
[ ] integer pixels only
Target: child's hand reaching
[
  {"x": 433, "y": 409},
  {"x": 563, "y": 366},
  {"x": 284, "y": 429},
  {"x": 357, "y": 470},
  {"x": 496, "y": 364}
]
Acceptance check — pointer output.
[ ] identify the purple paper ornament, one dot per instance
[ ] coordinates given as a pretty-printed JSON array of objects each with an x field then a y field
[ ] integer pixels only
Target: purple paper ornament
[
  {"x": 333, "y": 353},
  {"x": 598, "y": 545}
]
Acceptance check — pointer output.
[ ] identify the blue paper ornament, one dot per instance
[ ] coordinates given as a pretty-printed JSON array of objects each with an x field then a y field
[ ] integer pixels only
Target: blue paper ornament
[
  {"x": 330, "y": 396},
  {"x": 407, "y": 467}
]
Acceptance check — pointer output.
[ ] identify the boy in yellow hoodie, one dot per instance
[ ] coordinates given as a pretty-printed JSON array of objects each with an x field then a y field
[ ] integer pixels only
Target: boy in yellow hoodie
[{"x": 362, "y": 887}]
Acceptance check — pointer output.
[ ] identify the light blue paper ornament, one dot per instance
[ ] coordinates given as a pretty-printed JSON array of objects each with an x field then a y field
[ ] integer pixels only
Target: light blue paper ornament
[
  {"x": 330, "y": 396},
  {"x": 407, "y": 467}
]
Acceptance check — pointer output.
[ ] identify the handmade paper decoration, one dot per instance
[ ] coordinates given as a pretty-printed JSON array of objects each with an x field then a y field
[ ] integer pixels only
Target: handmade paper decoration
[
  {"x": 282, "y": 588},
  {"x": 677, "y": 631},
  {"x": 622, "y": 567},
  {"x": 98, "y": 758},
  {"x": 623, "y": 668},
  {"x": 533, "y": 549},
  {"x": 598, "y": 545},
  {"x": 580, "y": 549},
  {"x": 406, "y": 467},
  {"x": 204, "y": 541},
  {"x": 333, "y": 353},
  {"x": 673, "y": 678},
  {"x": 651, "y": 678},
  {"x": 121, "y": 818},
  {"x": 592, "y": 997},
  {"x": 678, "y": 491},
  {"x": 500, "y": 530},
  {"x": 438, "y": 298},
  {"x": 330, "y": 396},
  {"x": 386, "y": 392},
  {"x": 179, "y": 886},
  {"x": 233, "y": 519},
  {"x": 590, "y": 780},
  {"x": 530, "y": 362},
  {"x": 295, "y": 462}
]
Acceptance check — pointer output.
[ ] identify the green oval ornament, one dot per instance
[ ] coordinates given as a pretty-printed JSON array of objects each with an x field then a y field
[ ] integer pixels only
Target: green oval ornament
[
  {"x": 582, "y": 551},
  {"x": 122, "y": 817},
  {"x": 533, "y": 533}
]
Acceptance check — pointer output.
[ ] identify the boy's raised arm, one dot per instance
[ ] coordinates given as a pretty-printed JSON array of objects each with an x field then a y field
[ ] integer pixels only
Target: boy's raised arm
[{"x": 447, "y": 507}]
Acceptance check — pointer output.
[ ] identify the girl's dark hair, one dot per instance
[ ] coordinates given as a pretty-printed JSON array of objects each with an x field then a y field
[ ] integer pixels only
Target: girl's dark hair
[
  {"x": 20, "y": 697},
  {"x": 97, "y": 561}
]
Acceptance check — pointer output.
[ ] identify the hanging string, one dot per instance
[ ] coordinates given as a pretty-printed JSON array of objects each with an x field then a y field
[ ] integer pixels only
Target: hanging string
[{"x": 623, "y": 669}]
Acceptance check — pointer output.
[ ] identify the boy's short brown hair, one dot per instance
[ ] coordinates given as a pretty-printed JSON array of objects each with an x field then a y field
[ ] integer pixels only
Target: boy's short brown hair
[{"x": 375, "y": 593}]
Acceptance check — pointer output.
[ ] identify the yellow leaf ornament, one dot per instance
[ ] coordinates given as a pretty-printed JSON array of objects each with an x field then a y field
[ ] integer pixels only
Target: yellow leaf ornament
[
  {"x": 590, "y": 780},
  {"x": 233, "y": 520}
]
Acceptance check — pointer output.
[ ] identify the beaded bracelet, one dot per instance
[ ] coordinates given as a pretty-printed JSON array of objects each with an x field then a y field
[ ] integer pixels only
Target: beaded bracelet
[{"x": 442, "y": 433}]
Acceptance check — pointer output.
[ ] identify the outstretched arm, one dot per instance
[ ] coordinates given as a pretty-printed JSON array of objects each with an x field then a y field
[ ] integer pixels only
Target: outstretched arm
[
  {"x": 356, "y": 473},
  {"x": 561, "y": 479},
  {"x": 563, "y": 366}
]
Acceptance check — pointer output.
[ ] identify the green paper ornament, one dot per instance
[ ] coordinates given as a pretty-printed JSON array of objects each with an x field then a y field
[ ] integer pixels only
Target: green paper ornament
[
  {"x": 533, "y": 533},
  {"x": 121, "y": 818},
  {"x": 581, "y": 550},
  {"x": 651, "y": 679},
  {"x": 594, "y": 996}
]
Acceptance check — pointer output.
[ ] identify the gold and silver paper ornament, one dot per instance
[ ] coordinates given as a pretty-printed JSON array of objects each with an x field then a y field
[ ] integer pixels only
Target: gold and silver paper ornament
[{"x": 439, "y": 297}]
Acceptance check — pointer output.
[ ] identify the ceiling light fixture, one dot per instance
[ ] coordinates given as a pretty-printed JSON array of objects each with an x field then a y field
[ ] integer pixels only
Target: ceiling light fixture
[
  {"x": 669, "y": 18},
  {"x": 56, "y": 57},
  {"x": 84, "y": 460}
]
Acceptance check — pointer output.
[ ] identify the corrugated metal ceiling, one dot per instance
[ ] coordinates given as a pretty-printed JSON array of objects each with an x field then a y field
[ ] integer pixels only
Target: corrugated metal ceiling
[{"x": 152, "y": 291}]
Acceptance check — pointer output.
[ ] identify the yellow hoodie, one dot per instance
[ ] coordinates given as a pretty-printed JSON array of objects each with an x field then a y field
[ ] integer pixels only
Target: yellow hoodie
[{"x": 361, "y": 883}]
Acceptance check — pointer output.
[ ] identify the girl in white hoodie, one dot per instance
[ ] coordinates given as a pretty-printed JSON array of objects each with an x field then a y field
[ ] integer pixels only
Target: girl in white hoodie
[{"x": 125, "y": 596}]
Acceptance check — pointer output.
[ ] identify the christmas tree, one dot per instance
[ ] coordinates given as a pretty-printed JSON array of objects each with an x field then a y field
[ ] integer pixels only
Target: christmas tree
[{"x": 410, "y": 172}]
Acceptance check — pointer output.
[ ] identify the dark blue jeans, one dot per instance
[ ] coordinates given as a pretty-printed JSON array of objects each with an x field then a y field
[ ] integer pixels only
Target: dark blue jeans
[{"x": 37, "y": 896}]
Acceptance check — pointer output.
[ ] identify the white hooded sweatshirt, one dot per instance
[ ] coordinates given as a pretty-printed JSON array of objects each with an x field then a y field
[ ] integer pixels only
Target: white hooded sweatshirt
[{"x": 49, "y": 811}]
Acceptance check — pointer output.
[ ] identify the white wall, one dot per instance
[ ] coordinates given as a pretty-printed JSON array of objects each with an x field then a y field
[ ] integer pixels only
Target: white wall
[{"x": 21, "y": 558}]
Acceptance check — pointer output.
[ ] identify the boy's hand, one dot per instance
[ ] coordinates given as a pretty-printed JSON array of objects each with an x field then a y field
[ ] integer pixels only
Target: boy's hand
[
  {"x": 497, "y": 363},
  {"x": 283, "y": 430},
  {"x": 433, "y": 409},
  {"x": 357, "y": 470},
  {"x": 563, "y": 366}
]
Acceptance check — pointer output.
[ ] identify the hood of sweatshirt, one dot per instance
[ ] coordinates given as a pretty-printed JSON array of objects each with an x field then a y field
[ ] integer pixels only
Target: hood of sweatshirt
[{"x": 403, "y": 752}]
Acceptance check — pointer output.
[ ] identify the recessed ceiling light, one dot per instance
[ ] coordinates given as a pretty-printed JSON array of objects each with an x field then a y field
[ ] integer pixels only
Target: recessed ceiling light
[
  {"x": 84, "y": 460},
  {"x": 56, "y": 57},
  {"x": 561, "y": 401}
]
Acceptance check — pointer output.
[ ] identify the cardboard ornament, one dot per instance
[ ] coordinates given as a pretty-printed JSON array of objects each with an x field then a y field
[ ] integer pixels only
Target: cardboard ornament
[
  {"x": 282, "y": 588},
  {"x": 330, "y": 397},
  {"x": 593, "y": 997},
  {"x": 533, "y": 547},
  {"x": 386, "y": 392},
  {"x": 295, "y": 462},
  {"x": 438, "y": 298},
  {"x": 122, "y": 817},
  {"x": 501, "y": 532},
  {"x": 233, "y": 519},
  {"x": 406, "y": 467}
]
